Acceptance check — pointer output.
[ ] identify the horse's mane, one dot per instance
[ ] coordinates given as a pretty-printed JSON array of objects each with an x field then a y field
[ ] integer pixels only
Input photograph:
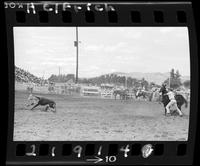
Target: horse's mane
[{"x": 163, "y": 90}]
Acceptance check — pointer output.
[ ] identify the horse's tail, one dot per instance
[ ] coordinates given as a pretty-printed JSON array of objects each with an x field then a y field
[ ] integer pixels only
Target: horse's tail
[
  {"x": 185, "y": 101},
  {"x": 182, "y": 100}
]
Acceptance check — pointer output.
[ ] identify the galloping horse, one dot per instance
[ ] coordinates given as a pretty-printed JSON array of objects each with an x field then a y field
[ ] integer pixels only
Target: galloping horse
[
  {"x": 123, "y": 94},
  {"x": 179, "y": 99}
]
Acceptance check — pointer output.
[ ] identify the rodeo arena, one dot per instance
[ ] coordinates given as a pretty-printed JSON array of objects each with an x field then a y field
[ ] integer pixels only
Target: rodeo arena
[{"x": 69, "y": 111}]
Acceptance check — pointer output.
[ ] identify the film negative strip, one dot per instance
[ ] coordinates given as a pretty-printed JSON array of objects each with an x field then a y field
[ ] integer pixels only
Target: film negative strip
[{"x": 101, "y": 83}]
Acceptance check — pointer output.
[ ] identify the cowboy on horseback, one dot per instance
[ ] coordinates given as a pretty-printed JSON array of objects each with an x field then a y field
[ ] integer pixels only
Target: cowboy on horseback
[{"x": 141, "y": 93}]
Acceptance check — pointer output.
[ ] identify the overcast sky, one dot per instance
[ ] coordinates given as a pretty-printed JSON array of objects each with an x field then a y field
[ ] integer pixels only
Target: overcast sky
[{"x": 42, "y": 50}]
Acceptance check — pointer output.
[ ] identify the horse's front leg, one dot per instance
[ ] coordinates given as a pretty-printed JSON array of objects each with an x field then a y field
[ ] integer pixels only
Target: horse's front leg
[
  {"x": 35, "y": 106},
  {"x": 179, "y": 106}
]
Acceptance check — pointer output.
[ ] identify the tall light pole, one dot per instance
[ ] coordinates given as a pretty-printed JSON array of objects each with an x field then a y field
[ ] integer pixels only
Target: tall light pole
[
  {"x": 126, "y": 81},
  {"x": 76, "y": 45}
]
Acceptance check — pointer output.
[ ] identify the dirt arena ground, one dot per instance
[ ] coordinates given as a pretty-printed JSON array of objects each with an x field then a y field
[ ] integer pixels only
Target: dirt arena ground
[{"x": 81, "y": 119}]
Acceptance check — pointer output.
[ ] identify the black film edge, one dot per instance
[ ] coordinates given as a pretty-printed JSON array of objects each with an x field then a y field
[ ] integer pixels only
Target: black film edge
[{"x": 77, "y": 126}]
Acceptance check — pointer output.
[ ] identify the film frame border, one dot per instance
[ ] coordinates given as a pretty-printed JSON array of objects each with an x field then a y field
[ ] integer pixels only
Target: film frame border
[{"x": 78, "y": 19}]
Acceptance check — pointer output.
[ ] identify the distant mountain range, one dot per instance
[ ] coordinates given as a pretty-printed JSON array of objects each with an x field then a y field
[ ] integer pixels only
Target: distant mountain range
[{"x": 156, "y": 77}]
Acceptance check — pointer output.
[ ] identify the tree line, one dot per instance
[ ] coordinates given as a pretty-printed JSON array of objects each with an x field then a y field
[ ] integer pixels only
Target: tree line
[
  {"x": 174, "y": 80},
  {"x": 104, "y": 79},
  {"x": 116, "y": 80}
]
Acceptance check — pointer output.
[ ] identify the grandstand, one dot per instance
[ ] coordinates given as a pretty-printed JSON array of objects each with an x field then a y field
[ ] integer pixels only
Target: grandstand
[{"x": 25, "y": 77}]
